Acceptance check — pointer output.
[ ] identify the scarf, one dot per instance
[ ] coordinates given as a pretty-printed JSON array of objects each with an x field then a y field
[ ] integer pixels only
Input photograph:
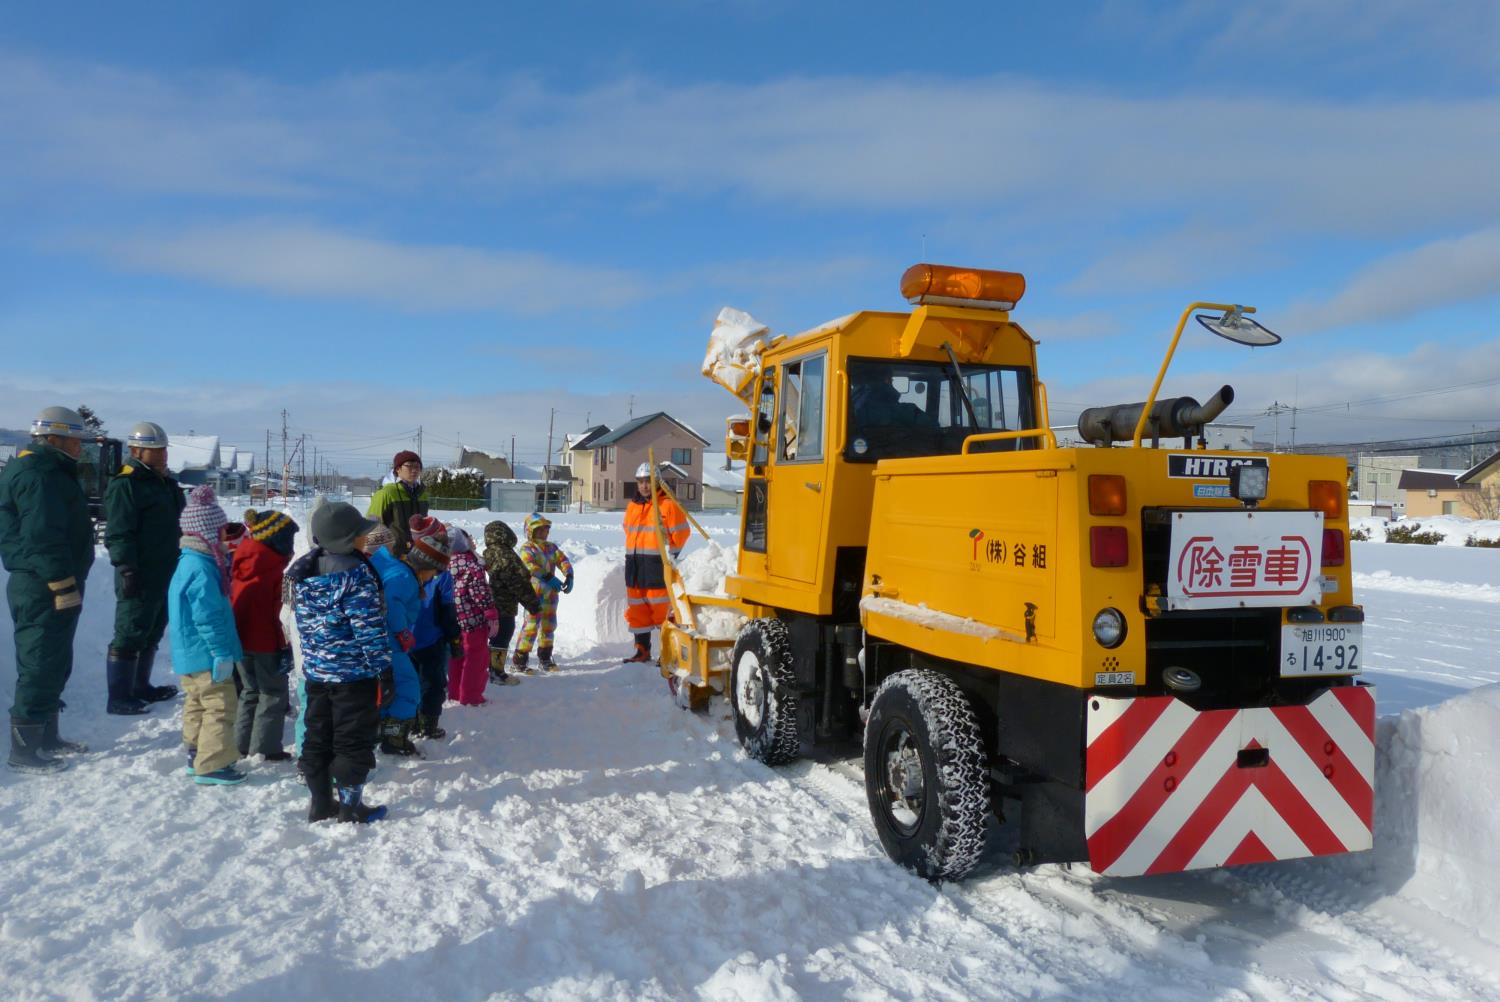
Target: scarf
[{"x": 198, "y": 544}]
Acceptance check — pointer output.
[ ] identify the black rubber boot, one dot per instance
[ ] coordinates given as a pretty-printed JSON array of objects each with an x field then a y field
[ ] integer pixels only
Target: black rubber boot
[
  {"x": 642, "y": 650},
  {"x": 427, "y": 727},
  {"x": 544, "y": 658},
  {"x": 54, "y": 742},
  {"x": 519, "y": 658},
  {"x": 26, "y": 749},
  {"x": 353, "y": 809},
  {"x": 320, "y": 785},
  {"x": 144, "y": 690},
  {"x": 119, "y": 672},
  {"x": 395, "y": 737}
]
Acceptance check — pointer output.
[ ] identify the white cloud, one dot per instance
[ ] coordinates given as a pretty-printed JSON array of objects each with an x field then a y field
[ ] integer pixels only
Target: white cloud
[
  {"x": 1441, "y": 273},
  {"x": 883, "y": 143},
  {"x": 299, "y": 259}
]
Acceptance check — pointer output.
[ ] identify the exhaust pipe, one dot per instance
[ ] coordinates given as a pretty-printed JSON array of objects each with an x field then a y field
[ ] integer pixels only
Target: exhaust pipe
[{"x": 1172, "y": 418}]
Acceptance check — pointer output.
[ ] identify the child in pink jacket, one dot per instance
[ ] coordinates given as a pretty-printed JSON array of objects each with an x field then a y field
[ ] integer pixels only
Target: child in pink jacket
[{"x": 477, "y": 616}]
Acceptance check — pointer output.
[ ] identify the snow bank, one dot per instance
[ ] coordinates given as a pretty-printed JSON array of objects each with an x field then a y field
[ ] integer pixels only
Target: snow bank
[
  {"x": 1436, "y": 809},
  {"x": 1455, "y": 529}
]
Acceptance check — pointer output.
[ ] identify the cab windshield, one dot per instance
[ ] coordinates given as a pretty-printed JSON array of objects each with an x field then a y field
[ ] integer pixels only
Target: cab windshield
[{"x": 905, "y": 408}]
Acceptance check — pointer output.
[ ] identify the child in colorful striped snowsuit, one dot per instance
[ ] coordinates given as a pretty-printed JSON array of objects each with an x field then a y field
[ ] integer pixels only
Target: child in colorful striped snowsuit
[{"x": 543, "y": 559}]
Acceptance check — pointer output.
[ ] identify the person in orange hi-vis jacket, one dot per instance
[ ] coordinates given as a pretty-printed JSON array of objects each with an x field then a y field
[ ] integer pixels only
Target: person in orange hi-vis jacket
[{"x": 645, "y": 579}]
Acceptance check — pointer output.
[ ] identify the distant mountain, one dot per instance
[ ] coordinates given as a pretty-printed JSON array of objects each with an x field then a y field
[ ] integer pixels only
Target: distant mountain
[{"x": 11, "y": 436}]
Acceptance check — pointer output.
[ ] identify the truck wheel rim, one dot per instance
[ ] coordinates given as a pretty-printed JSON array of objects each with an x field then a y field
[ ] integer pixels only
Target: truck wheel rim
[
  {"x": 902, "y": 786},
  {"x": 750, "y": 689}
]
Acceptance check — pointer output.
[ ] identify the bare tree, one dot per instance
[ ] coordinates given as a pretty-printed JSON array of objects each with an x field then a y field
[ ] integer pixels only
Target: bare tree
[{"x": 1484, "y": 500}]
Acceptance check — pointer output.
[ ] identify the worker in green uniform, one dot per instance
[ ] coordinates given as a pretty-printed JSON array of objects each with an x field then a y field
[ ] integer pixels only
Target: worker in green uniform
[
  {"x": 141, "y": 507},
  {"x": 47, "y": 545},
  {"x": 396, "y": 502}
]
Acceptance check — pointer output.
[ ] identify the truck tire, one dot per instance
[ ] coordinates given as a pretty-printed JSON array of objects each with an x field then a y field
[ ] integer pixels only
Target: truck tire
[
  {"x": 926, "y": 776},
  {"x": 763, "y": 692}
]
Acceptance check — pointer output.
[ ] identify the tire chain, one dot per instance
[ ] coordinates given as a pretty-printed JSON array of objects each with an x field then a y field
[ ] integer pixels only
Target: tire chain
[
  {"x": 781, "y": 743},
  {"x": 961, "y": 766}
]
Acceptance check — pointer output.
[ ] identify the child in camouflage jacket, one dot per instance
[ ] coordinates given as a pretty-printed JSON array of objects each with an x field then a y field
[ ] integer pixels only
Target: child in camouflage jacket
[{"x": 510, "y": 584}]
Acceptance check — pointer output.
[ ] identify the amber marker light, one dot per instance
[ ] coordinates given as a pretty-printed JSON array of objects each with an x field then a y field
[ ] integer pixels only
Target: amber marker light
[
  {"x": 944, "y": 284},
  {"x": 1106, "y": 494},
  {"x": 1326, "y": 496}
]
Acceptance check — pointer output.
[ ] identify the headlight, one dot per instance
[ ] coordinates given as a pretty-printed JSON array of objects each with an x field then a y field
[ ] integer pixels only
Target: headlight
[{"x": 1109, "y": 628}]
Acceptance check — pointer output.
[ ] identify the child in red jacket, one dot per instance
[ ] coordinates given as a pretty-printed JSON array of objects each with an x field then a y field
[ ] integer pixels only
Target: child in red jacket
[
  {"x": 468, "y": 672},
  {"x": 255, "y": 594}
]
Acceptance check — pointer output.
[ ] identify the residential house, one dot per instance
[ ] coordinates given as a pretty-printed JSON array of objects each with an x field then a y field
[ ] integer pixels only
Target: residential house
[
  {"x": 617, "y": 454},
  {"x": 492, "y": 465},
  {"x": 193, "y": 459},
  {"x": 1484, "y": 481},
  {"x": 579, "y": 449},
  {"x": 1377, "y": 478},
  {"x": 7, "y": 453},
  {"x": 723, "y": 482},
  {"x": 1435, "y": 492}
]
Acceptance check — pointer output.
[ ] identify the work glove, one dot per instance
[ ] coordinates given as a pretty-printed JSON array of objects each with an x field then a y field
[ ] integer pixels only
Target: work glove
[
  {"x": 456, "y": 649},
  {"x": 406, "y": 640},
  {"x": 567, "y": 584},
  {"x": 284, "y": 662},
  {"x": 223, "y": 671},
  {"x": 65, "y": 594},
  {"x": 130, "y": 582},
  {"x": 386, "y": 692}
]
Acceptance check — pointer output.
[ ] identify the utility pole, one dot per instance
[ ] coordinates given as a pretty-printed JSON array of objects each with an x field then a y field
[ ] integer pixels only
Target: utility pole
[
  {"x": 513, "y": 455},
  {"x": 1277, "y": 409},
  {"x": 315, "y": 469},
  {"x": 419, "y": 441},
  {"x": 302, "y": 466},
  {"x": 285, "y": 468},
  {"x": 265, "y": 459},
  {"x": 630, "y": 412},
  {"x": 547, "y": 460}
]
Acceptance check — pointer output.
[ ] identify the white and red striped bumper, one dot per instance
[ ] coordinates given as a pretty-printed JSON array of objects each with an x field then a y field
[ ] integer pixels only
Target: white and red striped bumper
[{"x": 1171, "y": 788}]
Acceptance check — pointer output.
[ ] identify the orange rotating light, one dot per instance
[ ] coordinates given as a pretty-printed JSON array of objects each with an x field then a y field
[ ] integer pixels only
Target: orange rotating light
[{"x": 940, "y": 283}]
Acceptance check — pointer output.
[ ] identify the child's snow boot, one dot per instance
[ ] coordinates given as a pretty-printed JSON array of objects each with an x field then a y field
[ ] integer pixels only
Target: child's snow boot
[
  {"x": 518, "y": 660},
  {"x": 427, "y": 727},
  {"x": 320, "y": 786},
  {"x": 119, "y": 673},
  {"x": 498, "y": 674},
  {"x": 53, "y": 742},
  {"x": 352, "y": 809},
  {"x": 143, "y": 689},
  {"x": 26, "y": 749},
  {"x": 395, "y": 737},
  {"x": 544, "y": 658},
  {"x": 227, "y": 776}
]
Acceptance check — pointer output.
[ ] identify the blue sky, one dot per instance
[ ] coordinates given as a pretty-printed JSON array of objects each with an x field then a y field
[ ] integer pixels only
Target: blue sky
[{"x": 469, "y": 215}]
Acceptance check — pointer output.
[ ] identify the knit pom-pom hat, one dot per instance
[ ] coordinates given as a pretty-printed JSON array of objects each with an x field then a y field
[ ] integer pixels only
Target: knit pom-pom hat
[
  {"x": 429, "y": 542},
  {"x": 203, "y": 517}
]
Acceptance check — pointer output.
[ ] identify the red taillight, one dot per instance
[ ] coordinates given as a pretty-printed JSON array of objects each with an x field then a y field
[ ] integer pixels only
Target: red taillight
[
  {"x": 1333, "y": 547},
  {"x": 1109, "y": 546}
]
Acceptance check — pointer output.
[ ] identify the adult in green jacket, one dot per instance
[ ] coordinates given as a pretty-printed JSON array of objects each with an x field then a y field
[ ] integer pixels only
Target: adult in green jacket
[
  {"x": 395, "y": 503},
  {"x": 47, "y": 545},
  {"x": 141, "y": 507}
]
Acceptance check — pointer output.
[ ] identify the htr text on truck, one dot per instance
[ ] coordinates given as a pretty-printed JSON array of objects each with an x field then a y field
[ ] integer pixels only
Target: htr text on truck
[{"x": 1145, "y": 650}]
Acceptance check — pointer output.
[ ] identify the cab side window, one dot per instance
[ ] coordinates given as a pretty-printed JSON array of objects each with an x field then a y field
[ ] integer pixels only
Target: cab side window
[{"x": 802, "y": 396}]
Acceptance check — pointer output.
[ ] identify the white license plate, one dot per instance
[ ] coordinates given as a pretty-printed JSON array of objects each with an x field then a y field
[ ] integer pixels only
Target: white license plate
[{"x": 1322, "y": 649}]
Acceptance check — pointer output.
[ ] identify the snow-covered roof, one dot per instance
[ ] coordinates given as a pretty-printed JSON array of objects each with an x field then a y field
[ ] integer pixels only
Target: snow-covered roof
[
  {"x": 714, "y": 474},
  {"x": 228, "y": 456},
  {"x": 192, "y": 452},
  {"x": 1429, "y": 480},
  {"x": 1477, "y": 473},
  {"x": 586, "y": 439},
  {"x": 244, "y": 462}
]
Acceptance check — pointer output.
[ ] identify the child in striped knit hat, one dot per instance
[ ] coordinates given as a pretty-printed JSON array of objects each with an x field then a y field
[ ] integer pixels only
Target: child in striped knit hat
[{"x": 205, "y": 644}]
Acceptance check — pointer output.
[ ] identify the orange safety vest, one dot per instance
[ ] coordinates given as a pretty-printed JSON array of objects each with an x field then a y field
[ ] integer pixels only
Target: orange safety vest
[{"x": 645, "y": 579}]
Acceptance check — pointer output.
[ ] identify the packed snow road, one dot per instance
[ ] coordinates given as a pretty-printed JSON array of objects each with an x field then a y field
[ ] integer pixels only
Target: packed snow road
[{"x": 580, "y": 837}]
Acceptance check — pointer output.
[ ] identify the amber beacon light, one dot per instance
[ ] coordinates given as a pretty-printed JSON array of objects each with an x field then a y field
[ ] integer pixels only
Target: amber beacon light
[{"x": 941, "y": 284}]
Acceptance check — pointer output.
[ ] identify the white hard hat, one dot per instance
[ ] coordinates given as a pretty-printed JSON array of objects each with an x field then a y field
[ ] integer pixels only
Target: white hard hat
[
  {"x": 148, "y": 435},
  {"x": 643, "y": 472},
  {"x": 61, "y": 421}
]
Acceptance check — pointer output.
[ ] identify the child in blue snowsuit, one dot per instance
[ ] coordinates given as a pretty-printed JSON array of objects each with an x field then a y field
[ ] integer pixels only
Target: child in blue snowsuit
[
  {"x": 438, "y": 641},
  {"x": 403, "y": 578}
]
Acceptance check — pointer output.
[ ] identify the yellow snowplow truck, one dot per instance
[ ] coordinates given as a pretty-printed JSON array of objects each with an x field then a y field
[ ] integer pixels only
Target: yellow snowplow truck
[{"x": 1148, "y": 647}]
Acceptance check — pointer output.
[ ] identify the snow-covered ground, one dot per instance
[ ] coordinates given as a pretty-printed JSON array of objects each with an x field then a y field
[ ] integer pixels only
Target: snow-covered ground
[{"x": 580, "y": 837}]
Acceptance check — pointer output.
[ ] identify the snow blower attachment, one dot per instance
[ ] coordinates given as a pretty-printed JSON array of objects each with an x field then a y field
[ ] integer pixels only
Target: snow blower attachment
[{"x": 1152, "y": 653}]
